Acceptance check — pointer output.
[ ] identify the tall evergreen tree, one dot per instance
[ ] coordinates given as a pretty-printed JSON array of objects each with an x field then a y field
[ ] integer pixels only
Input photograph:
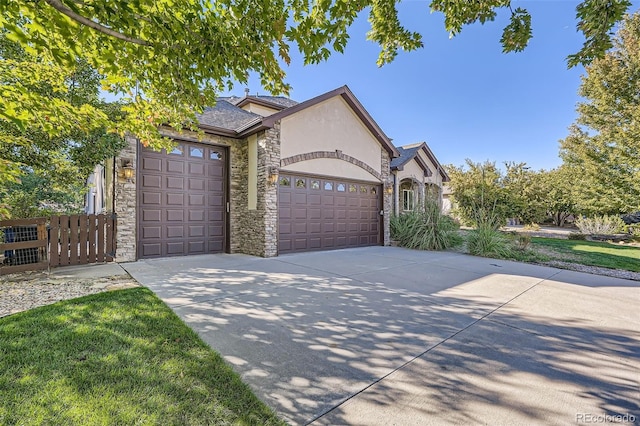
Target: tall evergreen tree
[{"x": 604, "y": 143}]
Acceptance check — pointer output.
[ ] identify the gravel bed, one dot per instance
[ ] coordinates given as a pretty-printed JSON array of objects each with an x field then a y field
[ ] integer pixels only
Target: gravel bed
[{"x": 20, "y": 292}]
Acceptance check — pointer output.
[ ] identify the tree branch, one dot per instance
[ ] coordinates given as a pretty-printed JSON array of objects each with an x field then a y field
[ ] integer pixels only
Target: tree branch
[{"x": 60, "y": 7}]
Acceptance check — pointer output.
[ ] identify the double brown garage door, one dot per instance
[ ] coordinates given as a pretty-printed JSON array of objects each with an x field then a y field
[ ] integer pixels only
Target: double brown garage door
[
  {"x": 319, "y": 213},
  {"x": 181, "y": 202}
]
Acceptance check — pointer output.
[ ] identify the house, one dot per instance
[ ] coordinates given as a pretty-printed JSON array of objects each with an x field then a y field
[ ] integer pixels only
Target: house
[
  {"x": 269, "y": 176},
  {"x": 416, "y": 174}
]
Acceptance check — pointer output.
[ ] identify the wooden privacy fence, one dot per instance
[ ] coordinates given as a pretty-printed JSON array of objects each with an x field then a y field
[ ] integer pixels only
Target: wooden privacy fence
[{"x": 29, "y": 244}]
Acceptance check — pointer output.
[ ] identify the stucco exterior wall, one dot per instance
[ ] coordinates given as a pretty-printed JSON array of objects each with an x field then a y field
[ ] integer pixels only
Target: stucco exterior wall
[
  {"x": 259, "y": 109},
  {"x": 331, "y": 167},
  {"x": 413, "y": 171},
  {"x": 329, "y": 126}
]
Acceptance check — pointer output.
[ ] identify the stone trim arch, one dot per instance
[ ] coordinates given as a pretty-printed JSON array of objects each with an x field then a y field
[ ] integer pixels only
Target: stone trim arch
[{"x": 337, "y": 154}]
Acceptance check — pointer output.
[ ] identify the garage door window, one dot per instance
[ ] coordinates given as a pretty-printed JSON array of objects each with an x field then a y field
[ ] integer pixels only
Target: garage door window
[
  {"x": 215, "y": 155},
  {"x": 178, "y": 150},
  {"x": 284, "y": 181},
  {"x": 196, "y": 152},
  {"x": 328, "y": 186},
  {"x": 301, "y": 183},
  {"x": 315, "y": 184}
]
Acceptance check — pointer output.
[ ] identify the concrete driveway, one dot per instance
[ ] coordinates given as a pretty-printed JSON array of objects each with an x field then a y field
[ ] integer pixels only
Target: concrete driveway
[{"x": 383, "y": 335}]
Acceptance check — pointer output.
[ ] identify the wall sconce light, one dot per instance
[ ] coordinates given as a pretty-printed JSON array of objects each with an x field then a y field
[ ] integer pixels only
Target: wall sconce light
[
  {"x": 127, "y": 169},
  {"x": 389, "y": 189},
  {"x": 273, "y": 175}
]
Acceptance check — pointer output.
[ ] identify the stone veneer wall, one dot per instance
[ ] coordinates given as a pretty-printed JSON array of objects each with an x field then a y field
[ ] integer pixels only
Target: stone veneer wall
[
  {"x": 125, "y": 204},
  {"x": 387, "y": 199},
  {"x": 255, "y": 232}
]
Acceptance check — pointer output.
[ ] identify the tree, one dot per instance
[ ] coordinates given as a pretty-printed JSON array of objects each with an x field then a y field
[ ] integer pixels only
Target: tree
[
  {"x": 171, "y": 57},
  {"x": 526, "y": 193},
  {"x": 59, "y": 143},
  {"x": 557, "y": 187},
  {"x": 604, "y": 143},
  {"x": 479, "y": 194}
]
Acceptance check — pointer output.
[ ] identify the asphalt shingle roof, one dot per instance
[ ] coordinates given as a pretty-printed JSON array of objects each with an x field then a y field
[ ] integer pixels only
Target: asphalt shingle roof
[
  {"x": 226, "y": 116},
  {"x": 406, "y": 154},
  {"x": 279, "y": 100}
]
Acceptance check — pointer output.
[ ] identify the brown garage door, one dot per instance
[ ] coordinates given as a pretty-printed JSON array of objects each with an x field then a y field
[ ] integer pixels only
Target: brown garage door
[
  {"x": 319, "y": 213},
  {"x": 181, "y": 201}
]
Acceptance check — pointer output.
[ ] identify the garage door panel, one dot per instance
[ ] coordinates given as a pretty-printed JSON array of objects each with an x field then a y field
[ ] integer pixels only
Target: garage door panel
[
  {"x": 152, "y": 232},
  {"x": 315, "y": 228},
  {"x": 197, "y": 247},
  {"x": 315, "y": 243},
  {"x": 174, "y": 215},
  {"x": 300, "y": 244},
  {"x": 174, "y": 199},
  {"x": 300, "y": 227},
  {"x": 151, "y": 215},
  {"x": 175, "y": 248},
  {"x": 151, "y": 198},
  {"x": 216, "y": 186},
  {"x": 182, "y": 201},
  {"x": 152, "y": 164},
  {"x": 175, "y": 182},
  {"x": 216, "y": 231},
  {"x": 196, "y": 215},
  {"x": 284, "y": 197},
  {"x": 174, "y": 166},
  {"x": 314, "y": 213},
  {"x": 151, "y": 249},
  {"x": 195, "y": 231},
  {"x": 196, "y": 184},
  {"x": 299, "y": 213},
  {"x": 151, "y": 181},
  {"x": 196, "y": 169}
]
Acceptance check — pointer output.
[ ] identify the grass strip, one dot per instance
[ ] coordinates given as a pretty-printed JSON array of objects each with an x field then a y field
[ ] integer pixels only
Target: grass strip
[
  {"x": 592, "y": 253},
  {"x": 120, "y": 357}
]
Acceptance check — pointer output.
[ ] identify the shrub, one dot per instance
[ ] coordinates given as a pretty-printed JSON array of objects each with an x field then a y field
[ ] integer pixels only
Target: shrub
[
  {"x": 600, "y": 225},
  {"x": 522, "y": 241},
  {"x": 576, "y": 236},
  {"x": 487, "y": 242},
  {"x": 531, "y": 227},
  {"x": 425, "y": 228}
]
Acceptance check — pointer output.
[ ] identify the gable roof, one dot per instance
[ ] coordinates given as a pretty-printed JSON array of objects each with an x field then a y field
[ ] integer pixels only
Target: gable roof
[
  {"x": 233, "y": 121},
  {"x": 275, "y": 102},
  {"x": 226, "y": 117},
  {"x": 410, "y": 152}
]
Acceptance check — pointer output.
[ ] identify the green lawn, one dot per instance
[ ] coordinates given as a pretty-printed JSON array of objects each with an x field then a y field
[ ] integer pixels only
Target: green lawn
[
  {"x": 606, "y": 255},
  {"x": 120, "y": 357}
]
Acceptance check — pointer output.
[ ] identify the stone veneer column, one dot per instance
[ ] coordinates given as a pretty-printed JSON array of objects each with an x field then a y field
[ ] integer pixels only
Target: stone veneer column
[
  {"x": 387, "y": 181},
  {"x": 269, "y": 161},
  {"x": 125, "y": 204},
  {"x": 255, "y": 232}
]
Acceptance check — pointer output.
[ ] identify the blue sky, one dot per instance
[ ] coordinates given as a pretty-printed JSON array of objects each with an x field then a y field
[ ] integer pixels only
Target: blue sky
[{"x": 463, "y": 96}]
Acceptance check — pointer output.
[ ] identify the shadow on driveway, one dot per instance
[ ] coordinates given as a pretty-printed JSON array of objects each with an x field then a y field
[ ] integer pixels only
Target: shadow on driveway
[{"x": 385, "y": 335}]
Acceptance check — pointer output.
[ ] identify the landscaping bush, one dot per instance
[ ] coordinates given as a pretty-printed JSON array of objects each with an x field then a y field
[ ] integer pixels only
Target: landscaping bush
[
  {"x": 531, "y": 227},
  {"x": 600, "y": 225},
  {"x": 576, "y": 236},
  {"x": 522, "y": 241},
  {"x": 488, "y": 242},
  {"x": 425, "y": 228}
]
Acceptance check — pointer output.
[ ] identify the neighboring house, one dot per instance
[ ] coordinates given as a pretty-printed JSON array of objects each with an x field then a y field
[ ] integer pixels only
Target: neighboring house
[
  {"x": 269, "y": 176},
  {"x": 417, "y": 174}
]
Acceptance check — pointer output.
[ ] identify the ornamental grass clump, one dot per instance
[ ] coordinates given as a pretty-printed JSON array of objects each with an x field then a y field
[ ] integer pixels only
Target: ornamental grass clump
[
  {"x": 600, "y": 225},
  {"x": 425, "y": 228}
]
